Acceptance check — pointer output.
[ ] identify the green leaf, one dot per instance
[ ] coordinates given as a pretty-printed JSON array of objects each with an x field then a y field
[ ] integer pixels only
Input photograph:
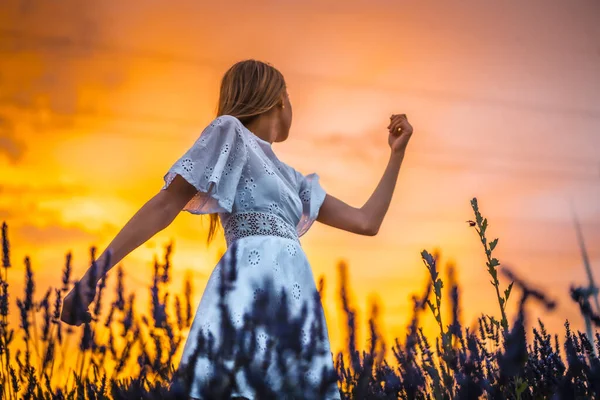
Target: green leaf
[
  {"x": 493, "y": 244},
  {"x": 475, "y": 208},
  {"x": 438, "y": 285},
  {"x": 431, "y": 306},
  {"x": 478, "y": 218},
  {"x": 494, "y": 262},
  {"x": 507, "y": 291},
  {"x": 484, "y": 224}
]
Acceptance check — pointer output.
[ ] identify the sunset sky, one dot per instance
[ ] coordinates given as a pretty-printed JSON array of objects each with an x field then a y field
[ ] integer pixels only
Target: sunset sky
[{"x": 98, "y": 99}]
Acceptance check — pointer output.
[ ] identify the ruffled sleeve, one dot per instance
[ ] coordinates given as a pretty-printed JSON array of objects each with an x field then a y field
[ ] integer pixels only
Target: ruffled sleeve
[
  {"x": 312, "y": 196},
  {"x": 213, "y": 165}
]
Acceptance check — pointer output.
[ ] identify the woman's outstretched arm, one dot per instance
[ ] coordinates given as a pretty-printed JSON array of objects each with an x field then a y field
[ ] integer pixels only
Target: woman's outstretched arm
[
  {"x": 154, "y": 216},
  {"x": 367, "y": 219}
]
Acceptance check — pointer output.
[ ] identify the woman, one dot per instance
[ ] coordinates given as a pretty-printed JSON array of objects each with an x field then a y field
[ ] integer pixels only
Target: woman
[{"x": 264, "y": 205}]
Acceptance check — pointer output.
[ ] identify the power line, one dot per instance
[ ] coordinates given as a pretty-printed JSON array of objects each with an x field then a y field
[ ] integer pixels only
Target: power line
[
  {"x": 435, "y": 165},
  {"x": 503, "y": 253},
  {"x": 507, "y": 171},
  {"x": 526, "y": 223},
  {"x": 506, "y": 156},
  {"x": 62, "y": 42},
  {"x": 195, "y": 124}
]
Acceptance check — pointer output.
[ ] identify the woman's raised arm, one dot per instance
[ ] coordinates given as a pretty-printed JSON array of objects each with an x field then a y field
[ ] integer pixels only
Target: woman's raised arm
[
  {"x": 367, "y": 219},
  {"x": 151, "y": 218}
]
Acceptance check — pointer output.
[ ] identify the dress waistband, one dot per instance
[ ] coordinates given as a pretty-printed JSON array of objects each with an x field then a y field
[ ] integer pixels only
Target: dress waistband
[{"x": 254, "y": 223}]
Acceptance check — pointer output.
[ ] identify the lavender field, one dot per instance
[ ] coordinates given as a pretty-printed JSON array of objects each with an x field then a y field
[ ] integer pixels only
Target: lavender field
[{"x": 126, "y": 354}]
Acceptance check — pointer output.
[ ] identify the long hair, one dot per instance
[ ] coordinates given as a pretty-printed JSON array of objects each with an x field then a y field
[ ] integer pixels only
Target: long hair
[{"x": 248, "y": 89}]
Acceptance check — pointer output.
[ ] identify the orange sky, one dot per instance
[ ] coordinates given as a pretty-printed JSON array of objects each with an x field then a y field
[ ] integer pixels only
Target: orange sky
[{"x": 98, "y": 99}]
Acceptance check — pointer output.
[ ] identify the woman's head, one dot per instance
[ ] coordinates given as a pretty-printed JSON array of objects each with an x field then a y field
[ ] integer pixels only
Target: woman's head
[{"x": 253, "y": 89}]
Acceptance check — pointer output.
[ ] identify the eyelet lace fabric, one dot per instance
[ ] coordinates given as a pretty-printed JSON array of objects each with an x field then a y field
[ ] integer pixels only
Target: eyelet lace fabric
[
  {"x": 214, "y": 166},
  {"x": 252, "y": 223},
  {"x": 257, "y": 196}
]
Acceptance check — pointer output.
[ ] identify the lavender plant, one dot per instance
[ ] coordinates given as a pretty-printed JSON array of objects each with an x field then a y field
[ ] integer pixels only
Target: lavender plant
[{"x": 124, "y": 354}]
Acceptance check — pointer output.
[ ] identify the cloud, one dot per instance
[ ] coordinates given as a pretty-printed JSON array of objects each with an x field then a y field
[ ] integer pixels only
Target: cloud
[
  {"x": 53, "y": 235},
  {"x": 52, "y": 191},
  {"x": 6, "y": 214},
  {"x": 364, "y": 148},
  {"x": 10, "y": 146}
]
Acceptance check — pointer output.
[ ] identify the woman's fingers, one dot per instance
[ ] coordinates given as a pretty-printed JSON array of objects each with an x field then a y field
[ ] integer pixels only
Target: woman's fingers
[
  {"x": 396, "y": 121},
  {"x": 392, "y": 120},
  {"x": 395, "y": 125},
  {"x": 75, "y": 313},
  {"x": 397, "y": 117},
  {"x": 86, "y": 317},
  {"x": 68, "y": 318}
]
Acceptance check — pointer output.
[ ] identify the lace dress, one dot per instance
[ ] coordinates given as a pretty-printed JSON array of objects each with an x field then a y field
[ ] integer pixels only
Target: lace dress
[{"x": 264, "y": 206}]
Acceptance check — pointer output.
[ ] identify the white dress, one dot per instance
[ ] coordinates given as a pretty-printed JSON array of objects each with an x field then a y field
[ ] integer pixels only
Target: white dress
[{"x": 264, "y": 206}]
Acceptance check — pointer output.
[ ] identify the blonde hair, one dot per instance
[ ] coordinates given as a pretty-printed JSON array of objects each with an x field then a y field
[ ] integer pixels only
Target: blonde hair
[{"x": 249, "y": 88}]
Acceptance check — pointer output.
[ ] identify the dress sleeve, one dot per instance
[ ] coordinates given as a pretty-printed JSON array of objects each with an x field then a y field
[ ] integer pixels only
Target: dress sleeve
[
  {"x": 312, "y": 196},
  {"x": 213, "y": 165}
]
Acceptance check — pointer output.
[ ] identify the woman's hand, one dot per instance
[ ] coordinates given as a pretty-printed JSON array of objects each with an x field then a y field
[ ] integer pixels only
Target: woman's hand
[
  {"x": 76, "y": 303},
  {"x": 400, "y": 133}
]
